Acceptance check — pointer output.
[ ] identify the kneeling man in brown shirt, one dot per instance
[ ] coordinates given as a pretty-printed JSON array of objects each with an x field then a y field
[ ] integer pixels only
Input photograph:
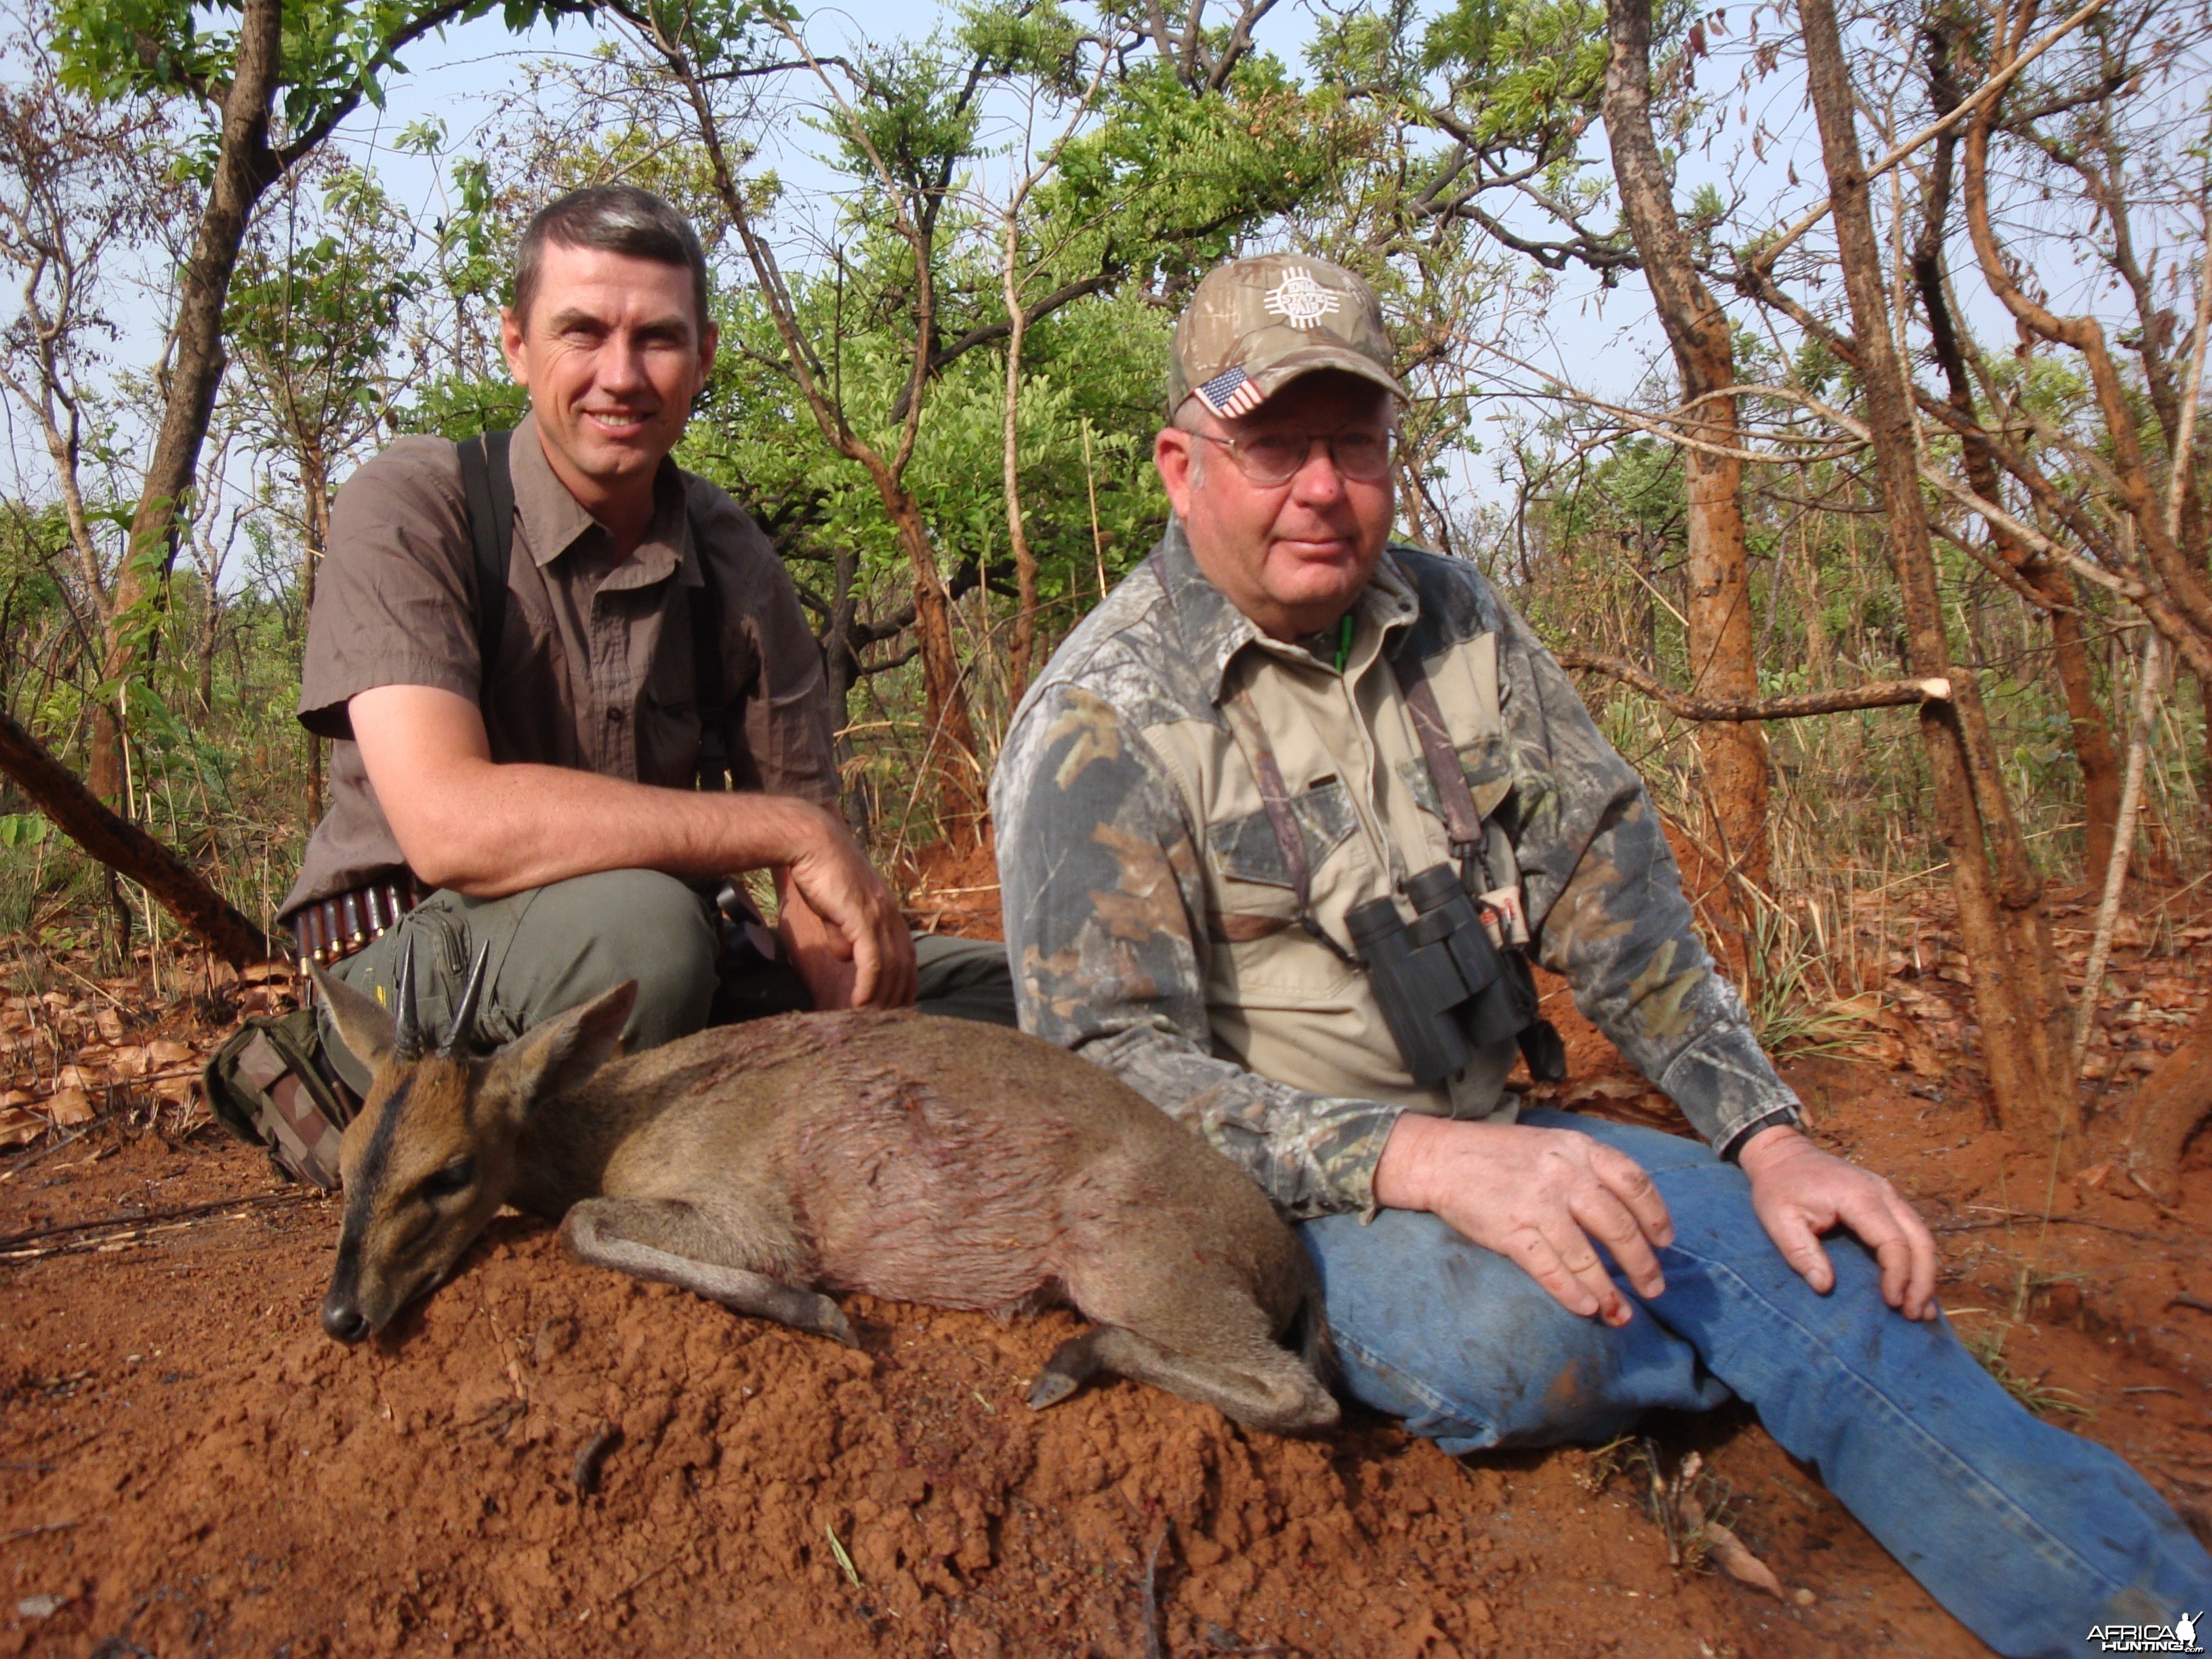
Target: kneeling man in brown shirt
[{"x": 541, "y": 805}]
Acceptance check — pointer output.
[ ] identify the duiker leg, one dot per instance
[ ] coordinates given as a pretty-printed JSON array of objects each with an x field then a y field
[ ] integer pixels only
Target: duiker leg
[
  {"x": 1264, "y": 1389},
  {"x": 673, "y": 1242}
]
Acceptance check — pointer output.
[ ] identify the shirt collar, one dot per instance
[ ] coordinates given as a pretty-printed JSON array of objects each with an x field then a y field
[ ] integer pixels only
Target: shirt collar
[
  {"x": 553, "y": 520},
  {"x": 1214, "y": 631}
]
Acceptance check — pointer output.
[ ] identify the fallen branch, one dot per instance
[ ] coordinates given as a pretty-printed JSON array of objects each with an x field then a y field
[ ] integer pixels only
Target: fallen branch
[
  {"x": 190, "y": 1211},
  {"x": 33, "y": 1532},
  {"x": 2007, "y": 1220},
  {"x": 46, "y": 1150},
  {"x": 1877, "y": 694},
  {"x": 127, "y": 849}
]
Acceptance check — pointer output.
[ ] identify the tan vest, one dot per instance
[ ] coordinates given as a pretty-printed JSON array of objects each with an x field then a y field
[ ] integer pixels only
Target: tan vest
[{"x": 1279, "y": 1002}]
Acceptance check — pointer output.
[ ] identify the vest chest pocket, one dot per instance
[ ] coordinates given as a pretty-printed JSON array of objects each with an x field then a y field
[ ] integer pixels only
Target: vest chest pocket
[
  {"x": 1486, "y": 767},
  {"x": 1250, "y": 883}
]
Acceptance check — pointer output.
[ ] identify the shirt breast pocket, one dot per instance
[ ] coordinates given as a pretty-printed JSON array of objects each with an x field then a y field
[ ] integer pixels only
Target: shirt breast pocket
[{"x": 1254, "y": 892}]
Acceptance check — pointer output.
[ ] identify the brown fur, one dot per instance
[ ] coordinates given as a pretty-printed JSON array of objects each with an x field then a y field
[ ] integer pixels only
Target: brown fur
[{"x": 914, "y": 1159}]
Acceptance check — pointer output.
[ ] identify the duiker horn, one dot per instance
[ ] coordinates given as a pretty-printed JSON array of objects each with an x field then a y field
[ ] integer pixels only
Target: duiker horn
[
  {"x": 407, "y": 1031},
  {"x": 461, "y": 1032}
]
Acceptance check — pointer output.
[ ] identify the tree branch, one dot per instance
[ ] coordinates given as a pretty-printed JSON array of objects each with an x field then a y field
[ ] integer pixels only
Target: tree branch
[
  {"x": 1877, "y": 694},
  {"x": 129, "y": 850}
]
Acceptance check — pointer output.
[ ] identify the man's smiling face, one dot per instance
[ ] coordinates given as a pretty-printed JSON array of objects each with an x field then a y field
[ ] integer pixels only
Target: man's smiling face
[
  {"x": 613, "y": 352},
  {"x": 1293, "y": 556}
]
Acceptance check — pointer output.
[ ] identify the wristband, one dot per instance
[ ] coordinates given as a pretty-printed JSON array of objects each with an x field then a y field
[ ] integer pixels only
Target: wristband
[{"x": 1785, "y": 1116}]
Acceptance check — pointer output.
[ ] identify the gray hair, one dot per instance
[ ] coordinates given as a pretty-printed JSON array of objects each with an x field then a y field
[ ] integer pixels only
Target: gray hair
[{"x": 613, "y": 219}]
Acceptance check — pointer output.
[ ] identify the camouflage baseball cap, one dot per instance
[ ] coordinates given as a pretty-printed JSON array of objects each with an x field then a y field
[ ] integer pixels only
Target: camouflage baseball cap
[{"x": 1255, "y": 326}]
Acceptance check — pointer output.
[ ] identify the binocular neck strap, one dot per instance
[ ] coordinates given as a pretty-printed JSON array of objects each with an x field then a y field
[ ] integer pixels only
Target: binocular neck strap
[
  {"x": 1461, "y": 821},
  {"x": 1251, "y": 735},
  {"x": 1252, "y": 738}
]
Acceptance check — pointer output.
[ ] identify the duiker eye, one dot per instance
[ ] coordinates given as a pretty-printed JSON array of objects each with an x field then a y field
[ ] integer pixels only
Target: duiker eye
[{"x": 461, "y": 1172}]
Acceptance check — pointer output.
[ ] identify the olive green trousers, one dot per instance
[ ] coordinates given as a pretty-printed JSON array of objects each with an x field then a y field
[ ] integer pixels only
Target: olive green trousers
[{"x": 550, "y": 948}]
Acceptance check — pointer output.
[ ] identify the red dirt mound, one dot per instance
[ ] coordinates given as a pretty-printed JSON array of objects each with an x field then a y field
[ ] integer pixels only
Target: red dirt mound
[{"x": 552, "y": 1460}]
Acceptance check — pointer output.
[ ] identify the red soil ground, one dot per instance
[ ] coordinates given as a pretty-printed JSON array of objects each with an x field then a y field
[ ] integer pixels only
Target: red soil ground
[{"x": 187, "y": 1465}]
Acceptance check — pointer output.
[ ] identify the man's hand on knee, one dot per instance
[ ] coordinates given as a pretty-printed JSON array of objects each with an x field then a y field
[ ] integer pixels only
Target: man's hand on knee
[
  {"x": 1544, "y": 1199},
  {"x": 1800, "y": 1192},
  {"x": 845, "y": 936}
]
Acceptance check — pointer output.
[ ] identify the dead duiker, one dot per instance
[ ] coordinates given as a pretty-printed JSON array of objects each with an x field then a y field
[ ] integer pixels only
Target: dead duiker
[{"x": 760, "y": 1165}]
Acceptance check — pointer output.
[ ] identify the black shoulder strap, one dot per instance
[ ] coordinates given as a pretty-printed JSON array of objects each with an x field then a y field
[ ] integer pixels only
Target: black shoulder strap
[
  {"x": 490, "y": 489},
  {"x": 713, "y": 764}
]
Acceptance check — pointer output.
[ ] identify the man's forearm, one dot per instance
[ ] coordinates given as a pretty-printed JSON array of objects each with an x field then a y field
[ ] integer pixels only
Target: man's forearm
[
  {"x": 470, "y": 824},
  {"x": 487, "y": 829}
]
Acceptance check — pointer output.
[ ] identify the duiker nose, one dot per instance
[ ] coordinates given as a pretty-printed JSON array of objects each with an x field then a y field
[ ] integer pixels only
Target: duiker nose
[{"x": 343, "y": 1320}]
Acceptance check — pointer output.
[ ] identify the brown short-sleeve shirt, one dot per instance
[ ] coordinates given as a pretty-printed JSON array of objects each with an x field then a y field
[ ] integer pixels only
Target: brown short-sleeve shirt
[{"x": 595, "y": 667}]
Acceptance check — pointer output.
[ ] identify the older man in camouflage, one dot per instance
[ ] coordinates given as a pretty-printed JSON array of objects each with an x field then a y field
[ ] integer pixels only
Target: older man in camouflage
[{"x": 1256, "y": 801}]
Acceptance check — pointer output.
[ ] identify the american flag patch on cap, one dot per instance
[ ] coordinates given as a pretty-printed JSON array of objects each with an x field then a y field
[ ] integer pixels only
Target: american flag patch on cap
[{"x": 1230, "y": 394}]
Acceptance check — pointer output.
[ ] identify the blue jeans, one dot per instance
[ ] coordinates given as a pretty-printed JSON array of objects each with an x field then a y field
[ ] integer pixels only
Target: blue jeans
[{"x": 2027, "y": 1533}]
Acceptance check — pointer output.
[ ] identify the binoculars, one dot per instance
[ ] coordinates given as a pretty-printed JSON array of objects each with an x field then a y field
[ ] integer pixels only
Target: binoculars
[{"x": 1446, "y": 989}]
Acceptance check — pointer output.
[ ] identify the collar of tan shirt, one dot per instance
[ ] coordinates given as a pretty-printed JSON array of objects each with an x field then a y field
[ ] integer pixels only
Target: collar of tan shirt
[
  {"x": 553, "y": 520},
  {"x": 1214, "y": 631}
]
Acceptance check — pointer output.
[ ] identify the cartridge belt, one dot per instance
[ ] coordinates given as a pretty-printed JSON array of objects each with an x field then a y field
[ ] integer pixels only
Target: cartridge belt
[{"x": 330, "y": 930}]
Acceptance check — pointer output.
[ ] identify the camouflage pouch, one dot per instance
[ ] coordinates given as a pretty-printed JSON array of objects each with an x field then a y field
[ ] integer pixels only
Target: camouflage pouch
[{"x": 266, "y": 1085}]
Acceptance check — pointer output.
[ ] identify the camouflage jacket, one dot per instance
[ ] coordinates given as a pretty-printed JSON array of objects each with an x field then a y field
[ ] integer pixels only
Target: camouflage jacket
[{"x": 1148, "y": 914}]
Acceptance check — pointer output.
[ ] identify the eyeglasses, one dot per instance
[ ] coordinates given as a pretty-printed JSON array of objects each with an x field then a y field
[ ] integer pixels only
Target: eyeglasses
[{"x": 1273, "y": 458}]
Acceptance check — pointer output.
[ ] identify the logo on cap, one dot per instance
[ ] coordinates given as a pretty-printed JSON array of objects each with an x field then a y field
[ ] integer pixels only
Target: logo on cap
[{"x": 1300, "y": 301}]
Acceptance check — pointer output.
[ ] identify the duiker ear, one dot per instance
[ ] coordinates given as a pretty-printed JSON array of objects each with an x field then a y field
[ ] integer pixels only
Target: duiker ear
[
  {"x": 560, "y": 1054},
  {"x": 362, "y": 1025}
]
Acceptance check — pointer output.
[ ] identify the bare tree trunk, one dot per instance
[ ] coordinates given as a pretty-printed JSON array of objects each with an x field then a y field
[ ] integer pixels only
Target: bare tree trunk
[
  {"x": 951, "y": 733},
  {"x": 60, "y": 415},
  {"x": 1018, "y": 535},
  {"x": 1723, "y": 657},
  {"x": 2053, "y": 590},
  {"x": 314, "y": 480},
  {"x": 2182, "y": 581},
  {"x": 2049, "y": 587},
  {"x": 244, "y": 165},
  {"x": 211, "y": 642},
  {"x": 2085, "y": 713},
  {"x": 841, "y": 657},
  {"x": 1024, "y": 653},
  {"x": 2022, "y": 1031}
]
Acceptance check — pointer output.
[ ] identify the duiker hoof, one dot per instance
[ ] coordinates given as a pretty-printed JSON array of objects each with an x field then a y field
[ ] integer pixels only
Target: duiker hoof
[
  {"x": 830, "y": 1321},
  {"x": 1051, "y": 1388}
]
